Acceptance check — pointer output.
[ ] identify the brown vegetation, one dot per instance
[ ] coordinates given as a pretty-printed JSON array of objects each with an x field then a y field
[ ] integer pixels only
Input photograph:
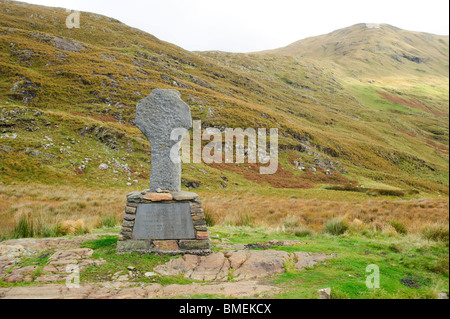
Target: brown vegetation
[
  {"x": 413, "y": 103},
  {"x": 64, "y": 210},
  {"x": 414, "y": 215},
  {"x": 284, "y": 178}
]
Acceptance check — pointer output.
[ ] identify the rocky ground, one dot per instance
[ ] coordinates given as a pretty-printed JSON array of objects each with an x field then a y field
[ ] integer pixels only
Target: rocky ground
[
  {"x": 124, "y": 291},
  {"x": 234, "y": 271}
]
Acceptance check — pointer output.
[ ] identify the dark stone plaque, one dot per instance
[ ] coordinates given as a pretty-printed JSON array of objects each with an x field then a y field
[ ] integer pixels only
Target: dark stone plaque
[{"x": 159, "y": 221}]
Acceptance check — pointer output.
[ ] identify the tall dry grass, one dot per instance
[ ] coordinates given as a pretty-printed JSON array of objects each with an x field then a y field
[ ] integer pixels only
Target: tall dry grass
[
  {"x": 47, "y": 211},
  {"x": 400, "y": 216},
  {"x": 66, "y": 210}
]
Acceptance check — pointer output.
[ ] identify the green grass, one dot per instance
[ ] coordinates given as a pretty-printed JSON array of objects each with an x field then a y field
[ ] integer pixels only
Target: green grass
[
  {"x": 371, "y": 98},
  {"x": 29, "y": 226},
  {"x": 398, "y": 259},
  {"x": 108, "y": 222},
  {"x": 346, "y": 274},
  {"x": 399, "y": 227},
  {"x": 437, "y": 233},
  {"x": 336, "y": 226}
]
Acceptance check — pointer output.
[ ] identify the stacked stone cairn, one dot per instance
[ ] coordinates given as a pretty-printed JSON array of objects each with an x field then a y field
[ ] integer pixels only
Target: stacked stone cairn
[{"x": 201, "y": 245}]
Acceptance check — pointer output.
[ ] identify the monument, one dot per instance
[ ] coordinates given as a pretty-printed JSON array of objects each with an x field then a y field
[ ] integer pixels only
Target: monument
[{"x": 164, "y": 219}]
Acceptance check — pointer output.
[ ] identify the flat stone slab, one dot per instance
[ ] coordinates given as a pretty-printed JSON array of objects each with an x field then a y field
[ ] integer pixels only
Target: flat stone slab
[
  {"x": 180, "y": 196},
  {"x": 259, "y": 264},
  {"x": 245, "y": 265},
  {"x": 56, "y": 268},
  {"x": 245, "y": 289},
  {"x": 20, "y": 274},
  {"x": 158, "y": 197},
  {"x": 12, "y": 250},
  {"x": 163, "y": 222},
  {"x": 32, "y": 245}
]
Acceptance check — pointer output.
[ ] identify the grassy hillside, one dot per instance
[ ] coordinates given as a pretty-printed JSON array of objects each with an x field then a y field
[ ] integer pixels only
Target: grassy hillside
[
  {"x": 379, "y": 50},
  {"x": 68, "y": 98}
]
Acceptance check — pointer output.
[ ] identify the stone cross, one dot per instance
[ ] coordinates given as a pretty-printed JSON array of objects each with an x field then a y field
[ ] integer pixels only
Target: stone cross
[{"x": 157, "y": 116}]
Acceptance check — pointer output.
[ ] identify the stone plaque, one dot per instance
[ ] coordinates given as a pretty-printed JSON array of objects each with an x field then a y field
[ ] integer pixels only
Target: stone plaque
[{"x": 163, "y": 222}]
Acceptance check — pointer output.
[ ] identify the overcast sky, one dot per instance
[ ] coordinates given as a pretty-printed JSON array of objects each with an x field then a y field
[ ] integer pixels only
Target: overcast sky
[{"x": 253, "y": 25}]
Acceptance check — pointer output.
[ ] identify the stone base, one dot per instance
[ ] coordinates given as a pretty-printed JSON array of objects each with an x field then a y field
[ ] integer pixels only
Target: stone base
[
  {"x": 131, "y": 239},
  {"x": 173, "y": 248}
]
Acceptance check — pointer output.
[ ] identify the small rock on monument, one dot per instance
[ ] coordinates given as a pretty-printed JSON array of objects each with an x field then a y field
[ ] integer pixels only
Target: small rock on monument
[{"x": 180, "y": 196}]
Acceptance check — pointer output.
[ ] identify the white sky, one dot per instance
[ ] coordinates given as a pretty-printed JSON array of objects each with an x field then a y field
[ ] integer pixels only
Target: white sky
[{"x": 254, "y": 25}]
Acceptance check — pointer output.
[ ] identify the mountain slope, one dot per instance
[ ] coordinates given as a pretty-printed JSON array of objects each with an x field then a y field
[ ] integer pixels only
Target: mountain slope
[
  {"x": 377, "y": 49},
  {"x": 70, "y": 97}
]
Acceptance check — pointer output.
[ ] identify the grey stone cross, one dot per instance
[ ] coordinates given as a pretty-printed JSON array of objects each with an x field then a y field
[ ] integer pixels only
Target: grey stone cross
[{"x": 157, "y": 116}]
